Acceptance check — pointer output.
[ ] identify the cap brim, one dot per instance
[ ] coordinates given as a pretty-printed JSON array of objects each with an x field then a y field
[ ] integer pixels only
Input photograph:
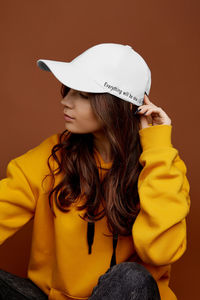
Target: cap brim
[{"x": 70, "y": 75}]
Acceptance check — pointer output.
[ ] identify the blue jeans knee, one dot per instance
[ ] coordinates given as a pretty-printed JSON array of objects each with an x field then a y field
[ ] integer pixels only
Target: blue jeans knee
[{"x": 127, "y": 281}]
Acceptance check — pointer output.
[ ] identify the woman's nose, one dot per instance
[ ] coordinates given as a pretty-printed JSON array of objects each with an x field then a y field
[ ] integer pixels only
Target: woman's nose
[{"x": 67, "y": 102}]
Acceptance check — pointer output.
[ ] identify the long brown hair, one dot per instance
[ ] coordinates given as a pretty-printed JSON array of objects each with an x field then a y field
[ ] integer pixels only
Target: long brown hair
[{"x": 118, "y": 190}]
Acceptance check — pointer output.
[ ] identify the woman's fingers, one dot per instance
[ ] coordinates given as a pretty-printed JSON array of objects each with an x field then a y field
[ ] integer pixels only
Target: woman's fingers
[
  {"x": 157, "y": 114},
  {"x": 145, "y": 111}
]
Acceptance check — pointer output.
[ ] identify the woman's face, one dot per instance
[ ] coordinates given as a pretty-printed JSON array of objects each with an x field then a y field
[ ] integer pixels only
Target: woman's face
[{"x": 77, "y": 105}]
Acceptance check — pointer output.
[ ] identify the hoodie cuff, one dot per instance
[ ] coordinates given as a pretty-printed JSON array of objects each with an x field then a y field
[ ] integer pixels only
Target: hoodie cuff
[{"x": 157, "y": 136}]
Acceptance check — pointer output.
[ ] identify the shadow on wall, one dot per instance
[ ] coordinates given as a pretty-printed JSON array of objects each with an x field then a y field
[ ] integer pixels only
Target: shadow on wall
[{"x": 15, "y": 252}]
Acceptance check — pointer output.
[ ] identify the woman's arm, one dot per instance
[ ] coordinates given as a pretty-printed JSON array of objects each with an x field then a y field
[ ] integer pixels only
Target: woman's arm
[
  {"x": 21, "y": 188},
  {"x": 159, "y": 231},
  {"x": 17, "y": 201}
]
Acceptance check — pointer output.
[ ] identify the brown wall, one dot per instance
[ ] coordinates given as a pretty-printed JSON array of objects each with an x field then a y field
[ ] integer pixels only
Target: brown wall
[{"x": 165, "y": 33}]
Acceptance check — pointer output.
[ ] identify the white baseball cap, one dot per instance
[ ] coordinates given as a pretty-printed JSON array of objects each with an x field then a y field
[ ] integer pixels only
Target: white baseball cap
[{"x": 105, "y": 68}]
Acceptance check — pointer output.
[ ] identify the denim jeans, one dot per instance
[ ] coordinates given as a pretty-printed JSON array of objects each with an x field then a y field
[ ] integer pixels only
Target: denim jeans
[
  {"x": 124, "y": 281},
  {"x": 13, "y": 287}
]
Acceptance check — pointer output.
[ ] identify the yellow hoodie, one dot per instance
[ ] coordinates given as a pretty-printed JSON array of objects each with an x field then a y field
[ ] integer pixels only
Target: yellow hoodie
[{"x": 59, "y": 261}]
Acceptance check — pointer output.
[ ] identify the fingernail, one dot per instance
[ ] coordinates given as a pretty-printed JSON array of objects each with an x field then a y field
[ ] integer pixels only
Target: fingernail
[{"x": 137, "y": 110}]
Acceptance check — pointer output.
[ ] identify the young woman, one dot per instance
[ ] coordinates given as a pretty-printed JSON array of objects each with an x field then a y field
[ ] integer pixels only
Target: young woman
[{"x": 109, "y": 195}]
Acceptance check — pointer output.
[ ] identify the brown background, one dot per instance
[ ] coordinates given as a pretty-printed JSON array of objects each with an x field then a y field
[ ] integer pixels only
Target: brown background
[{"x": 165, "y": 33}]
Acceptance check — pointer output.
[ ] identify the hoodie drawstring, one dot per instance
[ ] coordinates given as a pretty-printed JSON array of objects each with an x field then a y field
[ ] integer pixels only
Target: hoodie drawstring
[
  {"x": 113, "y": 259},
  {"x": 90, "y": 236},
  {"x": 90, "y": 239}
]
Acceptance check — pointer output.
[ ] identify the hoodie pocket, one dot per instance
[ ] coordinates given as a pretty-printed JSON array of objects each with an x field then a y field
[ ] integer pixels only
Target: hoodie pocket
[{"x": 58, "y": 295}]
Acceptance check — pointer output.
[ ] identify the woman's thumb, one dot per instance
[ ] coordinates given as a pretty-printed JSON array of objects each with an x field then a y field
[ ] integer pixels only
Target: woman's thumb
[{"x": 143, "y": 122}]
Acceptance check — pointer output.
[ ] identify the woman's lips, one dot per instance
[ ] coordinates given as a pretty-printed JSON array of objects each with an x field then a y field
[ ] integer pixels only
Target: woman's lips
[{"x": 68, "y": 118}]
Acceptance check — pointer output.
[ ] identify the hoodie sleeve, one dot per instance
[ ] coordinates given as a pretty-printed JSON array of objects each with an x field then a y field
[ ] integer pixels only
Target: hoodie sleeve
[
  {"x": 17, "y": 201},
  {"x": 21, "y": 187},
  {"x": 159, "y": 231}
]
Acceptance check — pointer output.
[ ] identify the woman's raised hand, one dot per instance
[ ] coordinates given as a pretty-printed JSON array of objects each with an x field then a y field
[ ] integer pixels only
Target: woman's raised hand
[{"x": 157, "y": 114}]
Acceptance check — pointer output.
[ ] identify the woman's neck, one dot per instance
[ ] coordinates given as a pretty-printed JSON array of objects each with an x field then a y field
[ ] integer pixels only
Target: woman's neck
[{"x": 102, "y": 145}]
